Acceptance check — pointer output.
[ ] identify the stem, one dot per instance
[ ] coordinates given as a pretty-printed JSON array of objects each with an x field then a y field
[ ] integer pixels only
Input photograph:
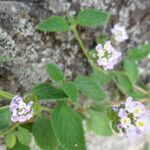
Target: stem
[
  {"x": 46, "y": 109},
  {"x": 83, "y": 48},
  {"x": 140, "y": 89},
  {"x": 6, "y": 95}
]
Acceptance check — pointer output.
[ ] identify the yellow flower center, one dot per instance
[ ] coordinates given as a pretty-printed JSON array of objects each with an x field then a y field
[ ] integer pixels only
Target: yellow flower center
[
  {"x": 125, "y": 121},
  {"x": 137, "y": 110},
  {"x": 141, "y": 124}
]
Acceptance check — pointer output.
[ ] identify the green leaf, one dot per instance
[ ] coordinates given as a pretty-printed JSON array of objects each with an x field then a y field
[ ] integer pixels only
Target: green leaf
[
  {"x": 55, "y": 73},
  {"x": 68, "y": 128},
  {"x": 71, "y": 91},
  {"x": 140, "y": 52},
  {"x": 92, "y": 18},
  {"x": 111, "y": 113},
  {"x": 53, "y": 24},
  {"x": 90, "y": 88},
  {"x": 123, "y": 83},
  {"x": 4, "y": 59},
  {"x": 10, "y": 140},
  {"x": 5, "y": 121},
  {"x": 132, "y": 70},
  {"x": 45, "y": 91},
  {"x": 19, "y": 146},
  {"x": 23, "y": 136},
  {"x": 101, "y": 39},
  {"x": 99, "y": 77},
  {"x": 43, "y": 134},
  {"x": 99, "y": 123}
]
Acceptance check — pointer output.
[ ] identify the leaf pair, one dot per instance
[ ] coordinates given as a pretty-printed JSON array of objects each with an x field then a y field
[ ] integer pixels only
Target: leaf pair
[{"x": 87, "y": 18}]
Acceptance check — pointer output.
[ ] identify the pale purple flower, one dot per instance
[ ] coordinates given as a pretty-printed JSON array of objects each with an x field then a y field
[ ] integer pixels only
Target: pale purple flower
[
  {"x": 122, "y": 113},
  {"x": 108, "y": 57},
  {"x": 129, "y": 104},
  {"x": 115, "y": 108},
  {"x": 132, "y": 133},
  {"x": 119, "y": 33},
  {"x": 20, "y": 110}
]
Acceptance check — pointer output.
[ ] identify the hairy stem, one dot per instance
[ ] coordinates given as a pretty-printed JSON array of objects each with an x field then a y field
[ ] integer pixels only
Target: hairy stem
[{"x": 82, "y": 46}]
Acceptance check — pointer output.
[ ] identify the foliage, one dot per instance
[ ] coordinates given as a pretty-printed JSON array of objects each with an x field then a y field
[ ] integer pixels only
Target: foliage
[{"x": 61, "y": 128}]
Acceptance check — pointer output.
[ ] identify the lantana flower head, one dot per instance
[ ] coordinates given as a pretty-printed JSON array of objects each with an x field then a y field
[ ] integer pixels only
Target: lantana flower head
[
  {"x": 20, "y": 110},
  {"x": 132, "y": 118},
  {"x": 108, "y": 57},
  {"x": 119, "y": 33}
]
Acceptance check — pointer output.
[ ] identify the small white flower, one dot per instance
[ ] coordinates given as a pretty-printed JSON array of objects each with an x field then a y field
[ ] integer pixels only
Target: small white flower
[
  {"x": 125, "y": 122},
  {"x": 120, "y": 33},
  {"x": 140, "y": 124}
]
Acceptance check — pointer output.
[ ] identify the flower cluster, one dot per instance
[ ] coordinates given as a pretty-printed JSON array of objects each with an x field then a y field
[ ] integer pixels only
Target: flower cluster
[
  {"x": 108, "y": 56},
  {"x": 20, "y": 110},
  {"x": 132, "y": 118}
]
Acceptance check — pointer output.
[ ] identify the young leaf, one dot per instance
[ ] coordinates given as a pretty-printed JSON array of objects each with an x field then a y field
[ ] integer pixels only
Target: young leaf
[
  {"x": 68, "y": 128},
  {"x": 131, "y": 69},
  {"x": 71, "y": 91},
  {"x": 5, "y": 121},
  {"x": 53, "y": 24},
  {"x": 140, "y": 52},
  {"x": 44, "y": 135},
  {"x": 45, "y": 91},
  {"x": 23, "y": 136},
  {"x": 99, "y": 123},
  {"x": 92, "y": 18},
  {"x": 10, "y": 140},
  {"x": 123, "y": 83},
  {"x": 90, "y": 88},
  {"x": 55, "y": 73},
  {"x": 101, "y": 39},
  {"x": 19, "y": 146}
]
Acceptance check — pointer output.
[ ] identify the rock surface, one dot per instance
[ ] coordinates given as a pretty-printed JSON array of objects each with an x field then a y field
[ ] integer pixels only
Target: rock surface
[{"x": 33, "y": 49}]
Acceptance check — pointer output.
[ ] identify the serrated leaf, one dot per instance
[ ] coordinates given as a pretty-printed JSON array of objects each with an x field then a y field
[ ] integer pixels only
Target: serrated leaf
[
  {"x": 123, "y": 83},
  {"x": 140, "y": 52},
  {"x": 43, "y": 134},
  {"x": 92, "y": 17},
  {"x": 5, "y": 121},
  {"x": 68, "y": 128},
  {"x": 99, "y": 123},
  {"x": 55, "y": 73},
  {"x": 45, "y": 91},
  {"x": 90, "y": 88},
  {"x": 71, "y": 91},
  {"x": 53, "y": 24},
  {"x": 19, "y": 146},
  {"x": 131, "y": 69},
  {"x": 10, "y": 140},
  {"x": 23, "y": 136}
]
